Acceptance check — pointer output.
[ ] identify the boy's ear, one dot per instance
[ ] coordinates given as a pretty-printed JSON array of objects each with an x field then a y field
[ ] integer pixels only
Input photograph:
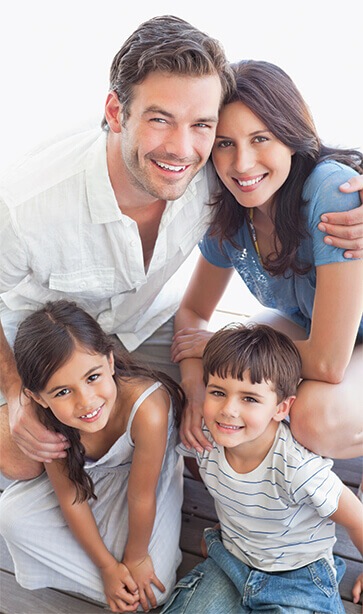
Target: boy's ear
[
  {"x": 283, "y": 408},
  {"x": 36, "y": 397}
]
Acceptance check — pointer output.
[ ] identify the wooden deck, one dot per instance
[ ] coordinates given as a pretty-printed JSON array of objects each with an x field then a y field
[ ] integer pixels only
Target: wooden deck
[{"x": 198, "y": 513}]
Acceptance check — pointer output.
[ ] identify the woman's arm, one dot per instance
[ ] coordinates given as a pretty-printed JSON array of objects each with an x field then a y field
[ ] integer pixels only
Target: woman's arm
[
  {"x": 149, "y": 434},
  {"x": 203, "y": 294},
  {"x": 336, "y": 315},
  {"x": 120, "y": 588},
  {"x": 350, "y": 515}
]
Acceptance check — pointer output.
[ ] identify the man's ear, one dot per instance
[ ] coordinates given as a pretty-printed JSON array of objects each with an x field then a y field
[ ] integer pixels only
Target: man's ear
[
  {"x": 113, "y": 109},
  {"x": 36, "y": 397},
  {"x": 283, "y": 408}
]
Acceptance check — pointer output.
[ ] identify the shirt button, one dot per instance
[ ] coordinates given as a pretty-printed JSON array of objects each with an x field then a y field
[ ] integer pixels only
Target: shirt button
[{"x": 82, "y": 284}]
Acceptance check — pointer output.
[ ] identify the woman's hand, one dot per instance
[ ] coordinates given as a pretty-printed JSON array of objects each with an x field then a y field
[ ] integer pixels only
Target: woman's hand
[
  {"x": 143, "y": 573},
  {"x": 120, "y": 588},
  {"x": 189, "y": 343}
]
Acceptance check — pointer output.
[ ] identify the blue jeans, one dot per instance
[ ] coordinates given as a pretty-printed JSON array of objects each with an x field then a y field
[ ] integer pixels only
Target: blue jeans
[{"x": 222, "y": 584}]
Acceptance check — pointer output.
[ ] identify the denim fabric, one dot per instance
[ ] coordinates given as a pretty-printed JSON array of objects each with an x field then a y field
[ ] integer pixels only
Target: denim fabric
[{"x": 222, "y": 584}]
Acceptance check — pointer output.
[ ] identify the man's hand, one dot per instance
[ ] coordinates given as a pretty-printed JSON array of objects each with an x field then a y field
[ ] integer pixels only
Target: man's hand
[
  {"x": 32, "y": 437},
  {"x": 345, "y": 229}
]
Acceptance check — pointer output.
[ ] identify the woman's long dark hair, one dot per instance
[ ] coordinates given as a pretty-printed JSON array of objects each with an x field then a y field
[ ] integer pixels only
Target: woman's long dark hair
[
  {"x": 45, "y": 341},
  {"x": 271, "y": 95}
]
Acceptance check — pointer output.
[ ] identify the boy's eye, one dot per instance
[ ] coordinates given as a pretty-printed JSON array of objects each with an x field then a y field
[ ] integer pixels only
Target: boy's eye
[
  {"x": 216, "y": 393},
  {"x": 250, "y": 400}
]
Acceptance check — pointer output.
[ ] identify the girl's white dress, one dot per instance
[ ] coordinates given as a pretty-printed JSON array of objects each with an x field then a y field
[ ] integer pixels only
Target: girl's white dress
[{"x": 44, "y": 550}]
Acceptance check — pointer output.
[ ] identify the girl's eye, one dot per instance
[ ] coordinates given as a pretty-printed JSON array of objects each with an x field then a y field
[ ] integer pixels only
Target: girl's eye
[
  {"x": 63, "y": 392},
  {"x": 93, "y": 377}
]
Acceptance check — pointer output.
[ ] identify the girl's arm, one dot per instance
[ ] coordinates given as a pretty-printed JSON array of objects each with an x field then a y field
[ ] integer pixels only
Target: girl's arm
[
  {"x": 120, "y": 588},
  {"x": 350, "y": 515},
  {"x": 336, "y": 315},
  {"x": 203, "y": 294},
  {"x": 149, "y": 433}
]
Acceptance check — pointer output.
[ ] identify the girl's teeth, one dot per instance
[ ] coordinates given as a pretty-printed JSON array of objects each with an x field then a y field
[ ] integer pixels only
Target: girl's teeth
[
  {"x": 91, "y": 414},
  {"x": 244, "y": 184}
]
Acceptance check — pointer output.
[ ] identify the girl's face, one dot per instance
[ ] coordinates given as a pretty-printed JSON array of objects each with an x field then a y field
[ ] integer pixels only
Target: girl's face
[
  {"x": 252, "y": 163},
  {"x": 81, "y": 393}
]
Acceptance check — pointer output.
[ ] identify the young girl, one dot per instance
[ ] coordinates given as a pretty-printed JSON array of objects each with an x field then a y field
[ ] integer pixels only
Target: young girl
[
  {"x": 278, "y": 178},
  {"x": 105, "y": 521}
]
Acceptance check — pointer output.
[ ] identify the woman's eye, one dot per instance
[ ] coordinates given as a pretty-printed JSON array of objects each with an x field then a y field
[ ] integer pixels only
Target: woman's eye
[{"x": 224, "y": 144}]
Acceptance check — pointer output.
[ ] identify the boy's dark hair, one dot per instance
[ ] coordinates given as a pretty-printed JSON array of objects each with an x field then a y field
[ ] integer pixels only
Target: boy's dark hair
[
  {"x": 266, "y": 353},
  {"x": 45, "y": 341},
  {"x": 170, "y": 45}
]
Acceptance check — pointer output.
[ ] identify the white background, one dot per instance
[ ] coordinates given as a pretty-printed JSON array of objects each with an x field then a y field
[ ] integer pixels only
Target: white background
[{"x": 55, "y": 58}]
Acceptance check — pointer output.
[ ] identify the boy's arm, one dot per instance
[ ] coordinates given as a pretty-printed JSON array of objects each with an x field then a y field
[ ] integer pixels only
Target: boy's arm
[
  {"x": 82, "y": 523},
  {"x": 149, "y": 434}
]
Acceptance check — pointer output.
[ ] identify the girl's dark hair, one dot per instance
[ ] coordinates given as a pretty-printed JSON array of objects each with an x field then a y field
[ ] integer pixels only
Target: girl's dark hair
[
  {"x": 45, "y": 341},
  {"x": 171, "y": 45},
  {"x": 273, "y": 97},
  {"x": 266, "y": 353}
]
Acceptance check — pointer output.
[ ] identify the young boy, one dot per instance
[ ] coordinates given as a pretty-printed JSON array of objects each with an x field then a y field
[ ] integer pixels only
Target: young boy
[{"x": 276, "y": 501}]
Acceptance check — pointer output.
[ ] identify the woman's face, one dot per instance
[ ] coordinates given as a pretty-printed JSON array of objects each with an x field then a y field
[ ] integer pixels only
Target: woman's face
[{"x": 252, "y": 163}]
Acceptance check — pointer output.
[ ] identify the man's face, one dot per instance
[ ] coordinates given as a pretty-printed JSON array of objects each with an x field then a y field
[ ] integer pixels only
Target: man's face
[{"x": 170, "y": 131}]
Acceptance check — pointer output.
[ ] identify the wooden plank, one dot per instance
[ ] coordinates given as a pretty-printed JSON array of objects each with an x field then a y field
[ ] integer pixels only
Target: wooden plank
[
  {"x": 349, "y": 470},
  {"x": 17, "y": 600}
]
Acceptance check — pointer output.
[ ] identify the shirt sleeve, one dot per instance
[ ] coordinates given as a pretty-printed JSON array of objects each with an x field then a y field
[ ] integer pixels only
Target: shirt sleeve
[
  {"x": 317, "y": 485},
  {"x": 322, "y": 192},
  {"x": 211, "y": 250}
]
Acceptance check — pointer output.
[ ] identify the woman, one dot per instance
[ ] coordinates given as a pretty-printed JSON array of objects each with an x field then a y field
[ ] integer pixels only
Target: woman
[{"x": 278, "y": 178}]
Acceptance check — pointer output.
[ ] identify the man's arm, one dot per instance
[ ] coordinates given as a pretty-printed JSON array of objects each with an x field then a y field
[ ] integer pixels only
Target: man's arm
[
  {"x": 31, "y": 436},
  {"x": 345, "y": 229}
]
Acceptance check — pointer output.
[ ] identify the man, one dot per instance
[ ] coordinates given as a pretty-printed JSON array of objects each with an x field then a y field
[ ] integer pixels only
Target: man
[{"x": 107, "y": 218}]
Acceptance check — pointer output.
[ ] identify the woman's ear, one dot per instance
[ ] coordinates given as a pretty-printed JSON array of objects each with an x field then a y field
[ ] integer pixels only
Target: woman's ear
[
  {"x": 36, "y": 397},
  {"x": 283, "y": 408},
  {"x": 111, "y": 362}
]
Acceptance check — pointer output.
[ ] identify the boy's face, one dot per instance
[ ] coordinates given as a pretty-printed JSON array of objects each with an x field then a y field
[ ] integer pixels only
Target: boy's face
[{"x": 237, "y": 412}]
